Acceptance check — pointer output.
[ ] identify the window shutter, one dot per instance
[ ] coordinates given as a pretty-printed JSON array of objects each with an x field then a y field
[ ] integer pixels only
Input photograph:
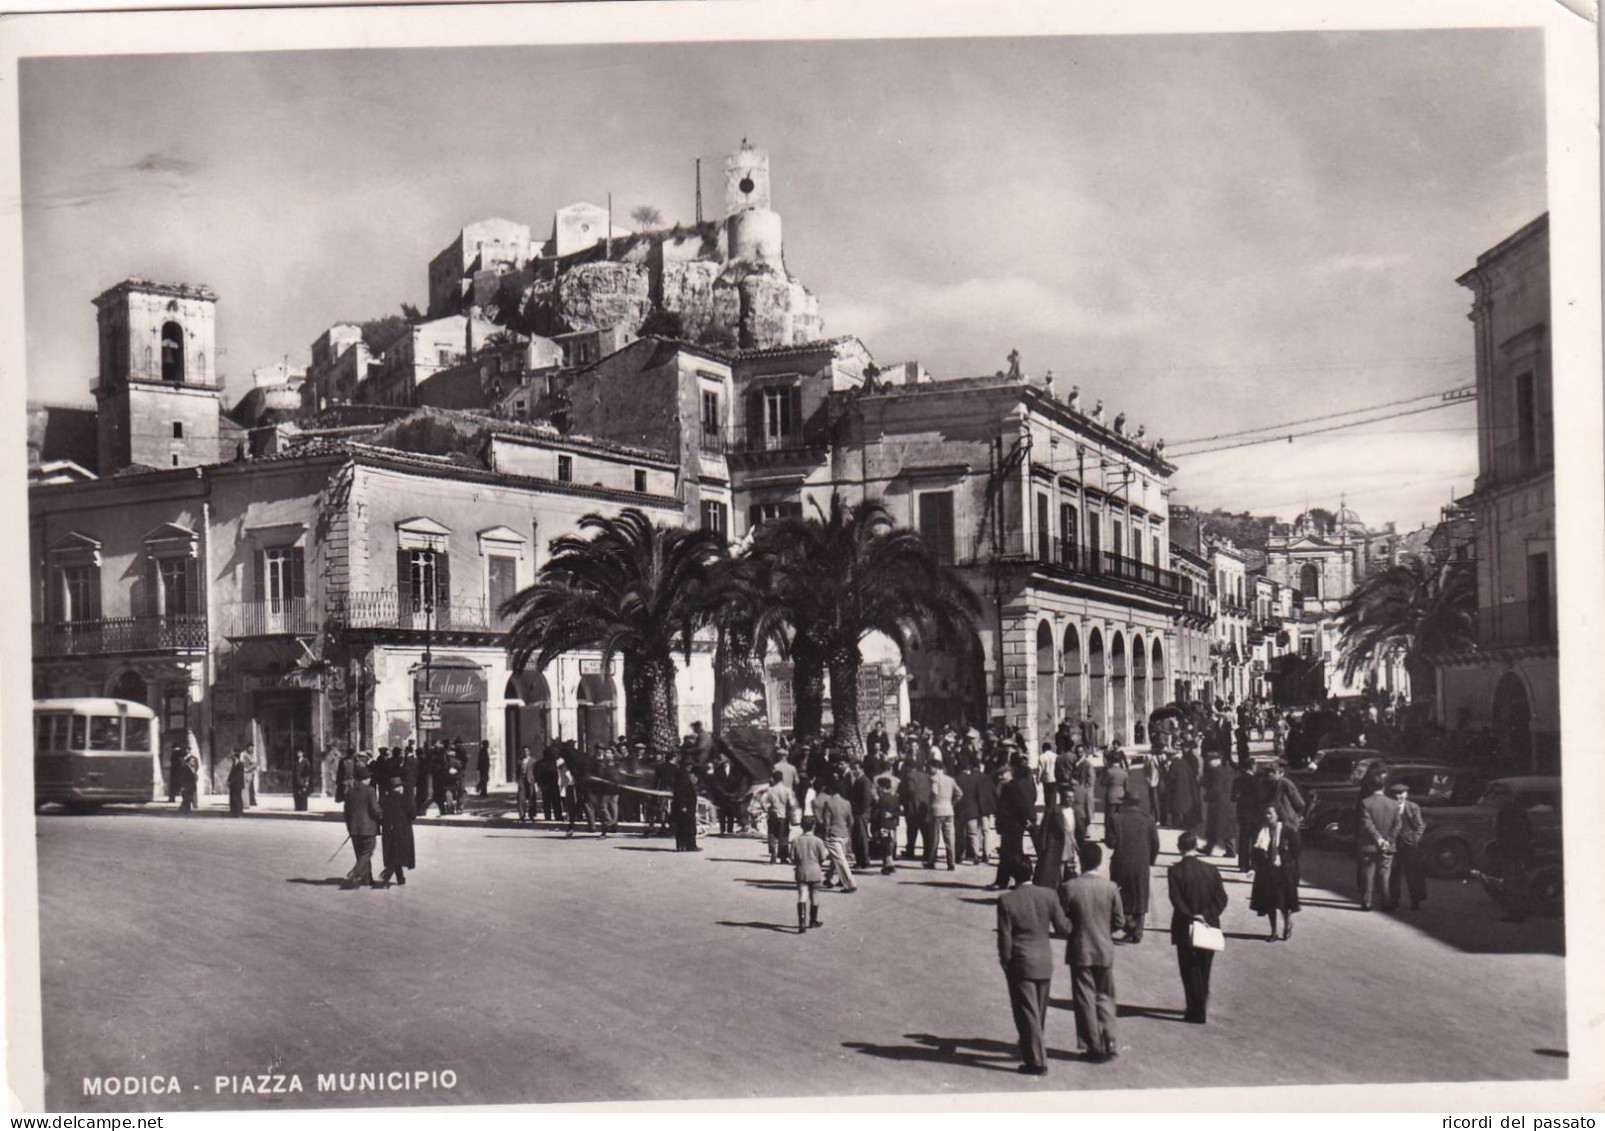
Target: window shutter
[
  {"x": 796, "y": 411},
  {"x": 94, "y": 593},
  {"x": 403, "y": 582},
  {"x": 298, "y": 585},
  {"x": 442, "y": 588},
  {"x": 192, "y": 577},
  {"x": 259, "y": 576},
  {"x": 754, "y": 418},
  {"x": 153, "y": 587},
  {"x": 754, "y": 517}
]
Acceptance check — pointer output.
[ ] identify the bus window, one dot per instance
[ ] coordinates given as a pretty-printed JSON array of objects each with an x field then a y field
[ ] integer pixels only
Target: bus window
[
  {"x": 138, "y": 740},
  {"x": 43, "y": 727},
  {"x": 105, "y": 732},
  {"x": 80, "y": 727}
]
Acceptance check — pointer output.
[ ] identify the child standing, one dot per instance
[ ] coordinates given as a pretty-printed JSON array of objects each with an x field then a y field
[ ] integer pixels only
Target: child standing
[{"x": 808, "y": 855}]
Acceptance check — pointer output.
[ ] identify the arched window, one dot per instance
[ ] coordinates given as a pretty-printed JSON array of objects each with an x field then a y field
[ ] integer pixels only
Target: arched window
[
  {"x": 1309, "y": 581},
  {"x": 172, "y": 352}
]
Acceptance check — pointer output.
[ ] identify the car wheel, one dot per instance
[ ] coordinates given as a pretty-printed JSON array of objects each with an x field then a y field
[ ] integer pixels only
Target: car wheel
[
  {"x": 1448, "y": 858},
  {"x": 1546, "y": 890}
]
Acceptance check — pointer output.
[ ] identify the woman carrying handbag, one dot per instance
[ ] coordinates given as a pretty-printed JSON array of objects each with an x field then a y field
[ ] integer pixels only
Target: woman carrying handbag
[{"x": 1275, "y": 862}]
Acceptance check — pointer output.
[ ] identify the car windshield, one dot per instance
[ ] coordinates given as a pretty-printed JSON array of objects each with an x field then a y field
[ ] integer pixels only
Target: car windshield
[{"x": 1496, "y": 795}]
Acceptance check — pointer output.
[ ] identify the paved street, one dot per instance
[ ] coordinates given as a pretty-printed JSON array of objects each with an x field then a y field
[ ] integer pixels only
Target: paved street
[{"x": 543, "y": 969}]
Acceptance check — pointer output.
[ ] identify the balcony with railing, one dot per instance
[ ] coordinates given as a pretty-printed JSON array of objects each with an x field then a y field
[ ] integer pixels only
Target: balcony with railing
[
  {"x": 1516, "y": 623},
  {"x": 178, "y": 632},
  {"x": 284, "y": 616},
  {"x": 385, "y": 609},
  {"x": 1072, "y": 557},
  {"x": 764, "y": 439},
  {"x": 711, "y": 441}
]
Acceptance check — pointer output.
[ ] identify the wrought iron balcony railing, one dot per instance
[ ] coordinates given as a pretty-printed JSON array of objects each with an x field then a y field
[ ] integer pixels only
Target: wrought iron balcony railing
[
  {"x": 179, "y": 632},
  {"x": 385, "y": 609},
  {"x": 287, "y": 615}
]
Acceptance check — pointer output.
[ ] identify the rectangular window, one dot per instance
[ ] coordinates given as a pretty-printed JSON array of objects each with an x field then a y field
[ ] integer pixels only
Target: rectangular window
[
  {"x": 936, "y": 524},
  {"x": 421, "y": 580},
  {"x": 710, "y": 412},
  {"x": 640, "y": 482},
  {"x": 1538, "y": 603},
  {"x": 1044, "y": 531},
  {"x": 178, "y": 429},
  {"x": 760, "y": 513},
  {"x": 779, "y": 423},
  {"x": 1095, "y": 538},
  {"x": 80, "y": 593},
  {"x": 80, "y": 733},
  {"x": 105, "y": 732},
  {"x": 1118, "y": 541},
  {"x": 501, "y": 580},
  {"x": 1158, "y": 558},
  {"x": 174, "y": 584},
  {"x": 1136, "y": 544},
  {"x": 565, "y": 469},
  {"x": 136, "y": 739},
  {"x": 281, "y": 576},
  {"x": 1526, "y": 419},
  {"x": 715, "y": 517},
  {"x": 1068, "y": 529}
]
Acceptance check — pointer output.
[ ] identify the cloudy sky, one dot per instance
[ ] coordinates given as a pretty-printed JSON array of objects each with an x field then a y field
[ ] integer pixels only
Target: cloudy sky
[{"x": 1210, "y": 233}]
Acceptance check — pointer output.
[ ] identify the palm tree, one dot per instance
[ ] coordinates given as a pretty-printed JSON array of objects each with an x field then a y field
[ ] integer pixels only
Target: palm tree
[
  {"x": 836, "y": 578},
  {"x": 633, "y": 590},
  {"x": 1416, "y": 609},
  {"x": 736, "y": 596}
]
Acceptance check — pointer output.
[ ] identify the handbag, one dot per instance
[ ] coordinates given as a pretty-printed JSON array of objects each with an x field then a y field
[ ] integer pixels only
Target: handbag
[{"x": 1205, "y": 937}]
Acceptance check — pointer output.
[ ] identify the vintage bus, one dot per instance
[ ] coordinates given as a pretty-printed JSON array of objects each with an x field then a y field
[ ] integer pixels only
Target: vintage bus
[{"x": 90, "y": 751}]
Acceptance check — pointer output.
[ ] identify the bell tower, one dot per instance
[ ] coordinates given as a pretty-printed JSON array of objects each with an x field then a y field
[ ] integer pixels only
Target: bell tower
[{"x": 157, "y": 395}]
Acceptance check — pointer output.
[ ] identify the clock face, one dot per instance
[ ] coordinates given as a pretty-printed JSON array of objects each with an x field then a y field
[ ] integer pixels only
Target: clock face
[{"x": 746, "y": 186}]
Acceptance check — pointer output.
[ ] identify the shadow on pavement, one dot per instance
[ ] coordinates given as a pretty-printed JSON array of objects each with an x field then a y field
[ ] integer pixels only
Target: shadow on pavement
[
  {"x": 778, "y": 928},
  {"x": 967, "y": 1052},
  {"x": 941, "y": 884},
  {"x": 640, "y": 848},
  {"x": 786, "y": 885},
  {"x": 990, "y": 901},
  {"x": 1562, "y": 1053},
  {"x": 1152, "y": 1012},
  {"x": 1246, "y": 936},
  {"x": 1457, "y": 912},
  {"x": 331, "y": 882}
]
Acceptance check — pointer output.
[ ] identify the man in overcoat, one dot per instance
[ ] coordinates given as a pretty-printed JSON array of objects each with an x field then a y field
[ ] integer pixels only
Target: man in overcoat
[
  {"x": 1134, "y": 839},
  {"x": 1196, "y": 894}
]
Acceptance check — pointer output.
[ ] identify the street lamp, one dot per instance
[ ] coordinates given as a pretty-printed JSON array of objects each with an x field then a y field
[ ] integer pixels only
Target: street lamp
[{"x": 1002, "y": 466}]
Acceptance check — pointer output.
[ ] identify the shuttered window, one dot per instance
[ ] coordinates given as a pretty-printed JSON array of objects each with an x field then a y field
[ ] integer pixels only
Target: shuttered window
[{"x": 936, "y": 524}]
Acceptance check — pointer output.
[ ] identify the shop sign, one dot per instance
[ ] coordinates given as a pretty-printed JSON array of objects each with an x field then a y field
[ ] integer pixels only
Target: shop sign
[
  {"x": 590, "y": 667},
  {"x": 428, "y": 712},
  {"x": 454, "y": 685}
]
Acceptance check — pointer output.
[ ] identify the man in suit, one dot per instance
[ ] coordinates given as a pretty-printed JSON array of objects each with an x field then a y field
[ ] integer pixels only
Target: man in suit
[
  {"x": 915, "y": 797},
  {"x": 945, "y": 794},
  {"x": 1017, "y": 810},
  {"x": 1196, "y": 895},
  {"x": 526, "y": 784},
  {"x": 1377, "y": 841},
  {"x": 1092, "y": 904},
  {"x": 1026, "y": 915},
  {"x": 1250, "y": 794},
  {"x": 364, "y": 818}
]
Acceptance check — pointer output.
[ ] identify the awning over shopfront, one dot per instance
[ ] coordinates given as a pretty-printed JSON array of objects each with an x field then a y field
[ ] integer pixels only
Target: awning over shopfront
[{"x": 456, "y": 679}]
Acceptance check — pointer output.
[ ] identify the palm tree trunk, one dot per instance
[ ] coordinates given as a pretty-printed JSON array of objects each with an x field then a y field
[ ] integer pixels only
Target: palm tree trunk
[
  {"x": 738, "y": 689},
  {"x": 844, "y": 664},
  {"x": 650, "y": 703},
  {"x": 807, "y": 689}
]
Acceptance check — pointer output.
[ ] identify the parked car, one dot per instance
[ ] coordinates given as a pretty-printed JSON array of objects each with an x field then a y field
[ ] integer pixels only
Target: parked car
[
  {"x": 1458, "y": 836},
  {"x": 1333, "y": 766},
  {"x": 1330, "y": 815},
  {"x": 1546, "y": 876}
]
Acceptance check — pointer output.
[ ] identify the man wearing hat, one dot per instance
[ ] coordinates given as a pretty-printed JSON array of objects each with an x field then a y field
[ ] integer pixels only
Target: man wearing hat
[
  {"x": 364, "y": 819},
  {"x": 1409, "y": 863}
]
